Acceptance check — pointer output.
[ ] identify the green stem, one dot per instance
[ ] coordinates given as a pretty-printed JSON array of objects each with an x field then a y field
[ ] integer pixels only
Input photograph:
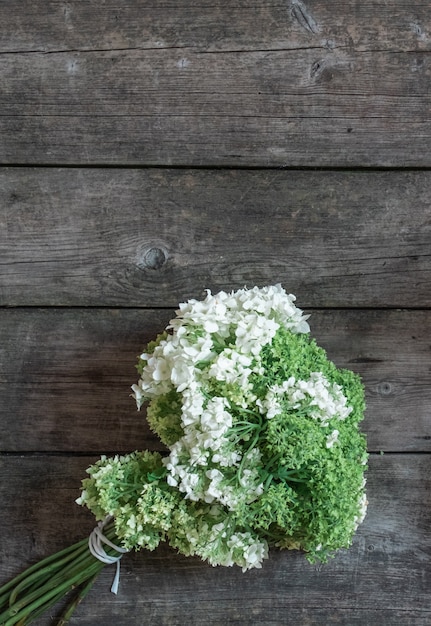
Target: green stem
[
  {"x": 37, "y": 613},
  {"x": 4, "y": 590},
  {"x": 42, "y": 585},
  {"x": 249, "y": 412},
  {"x": 252, "y": 445},
  {"x": 35, "y": 601},
  {"x": 76, "y": 601},
  {"x": 45, "y": 572}
]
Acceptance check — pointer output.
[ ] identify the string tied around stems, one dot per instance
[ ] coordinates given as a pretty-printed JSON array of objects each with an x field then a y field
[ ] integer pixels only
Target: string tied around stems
[{"x": 96, "y": 542}]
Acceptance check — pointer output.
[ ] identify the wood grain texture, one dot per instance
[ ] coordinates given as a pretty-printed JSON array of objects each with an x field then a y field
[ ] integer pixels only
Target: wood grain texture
[
  {"x": 65, "y": 376},
  {"x": 54, "y": 25},
  {"x": 384, "y": 578},
  {"x": 152, "y": 238},
  {"x": 313, "y": 85}
]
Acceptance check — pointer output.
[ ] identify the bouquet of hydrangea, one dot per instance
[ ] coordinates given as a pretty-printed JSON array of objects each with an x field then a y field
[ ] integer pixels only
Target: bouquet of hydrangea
[{"x": 262, "y": 449}]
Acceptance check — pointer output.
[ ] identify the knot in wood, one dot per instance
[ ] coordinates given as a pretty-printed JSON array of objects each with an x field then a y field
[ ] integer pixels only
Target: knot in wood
[
  {"x": 154, "y": 258},
  {"x": 385, "y": 388}
]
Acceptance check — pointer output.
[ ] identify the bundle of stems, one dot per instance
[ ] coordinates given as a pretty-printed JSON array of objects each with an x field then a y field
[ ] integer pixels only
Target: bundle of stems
[{"x": 41, "y": 586}]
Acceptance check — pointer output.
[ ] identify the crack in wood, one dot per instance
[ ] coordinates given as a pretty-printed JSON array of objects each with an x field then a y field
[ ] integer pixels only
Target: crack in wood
[
  {"x": 322, "y": 46},
  {"x": 91, "y": 50}
]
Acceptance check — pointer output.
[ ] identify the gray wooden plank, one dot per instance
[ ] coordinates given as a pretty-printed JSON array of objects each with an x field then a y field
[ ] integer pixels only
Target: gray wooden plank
[
  {"x": 384, "y": 578},
  {"x": 153, "y": 237},
  {"x": 313, "y": 105},
  {"x": 52, "y": 25},
  {"x": 65, "y": 376}
]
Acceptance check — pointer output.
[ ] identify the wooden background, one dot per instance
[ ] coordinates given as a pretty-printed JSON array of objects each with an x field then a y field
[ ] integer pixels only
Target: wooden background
[{"x": 152, "y": 149}]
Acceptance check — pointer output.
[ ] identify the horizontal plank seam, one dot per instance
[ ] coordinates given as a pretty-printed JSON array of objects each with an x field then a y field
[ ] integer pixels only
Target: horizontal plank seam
[
  {"x": 48, "y": 307},
  {"x": 229, "y": 168},
  {"x": 84, "y": 453}
]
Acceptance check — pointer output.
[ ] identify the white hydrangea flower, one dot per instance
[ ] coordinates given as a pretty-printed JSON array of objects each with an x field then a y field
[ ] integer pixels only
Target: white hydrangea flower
[
  {"x": 192, "y": 406},
  {"x": 254, "y": 331},
  {"x": 363, "y": 505},
  {"x": 231, "y": 366},
  {"x": 228, "y": 458},
  {"x": 253, "y": 315},
  {"x": 332, "y": 438},
  {"x": 322, "y": 399},
  {"x": 253, "y": 550},
  {"x": 271, "y": 405}
]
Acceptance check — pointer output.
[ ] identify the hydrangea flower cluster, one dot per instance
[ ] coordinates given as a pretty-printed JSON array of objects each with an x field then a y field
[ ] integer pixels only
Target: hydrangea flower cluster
[{"x": 261, "y": 432}]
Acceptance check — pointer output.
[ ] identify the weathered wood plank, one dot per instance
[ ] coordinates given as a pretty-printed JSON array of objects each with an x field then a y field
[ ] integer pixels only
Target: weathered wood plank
[
  {"x": 65, "y": 376},
  {"x": 151, "y": 238},
  {"x": 185, "y": 107},
  {"x": 384, "y": 578},
  {"x": 233, "y": 83},
  {"x": 53, "y": 25}
]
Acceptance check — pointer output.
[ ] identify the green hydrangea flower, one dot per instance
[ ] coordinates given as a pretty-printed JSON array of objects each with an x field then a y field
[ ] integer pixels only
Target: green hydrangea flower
[{"x": 262, "y": 436}]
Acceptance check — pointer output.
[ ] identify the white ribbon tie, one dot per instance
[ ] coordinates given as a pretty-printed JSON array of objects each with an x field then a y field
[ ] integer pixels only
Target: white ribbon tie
[{"x": 96, "y": 541}]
